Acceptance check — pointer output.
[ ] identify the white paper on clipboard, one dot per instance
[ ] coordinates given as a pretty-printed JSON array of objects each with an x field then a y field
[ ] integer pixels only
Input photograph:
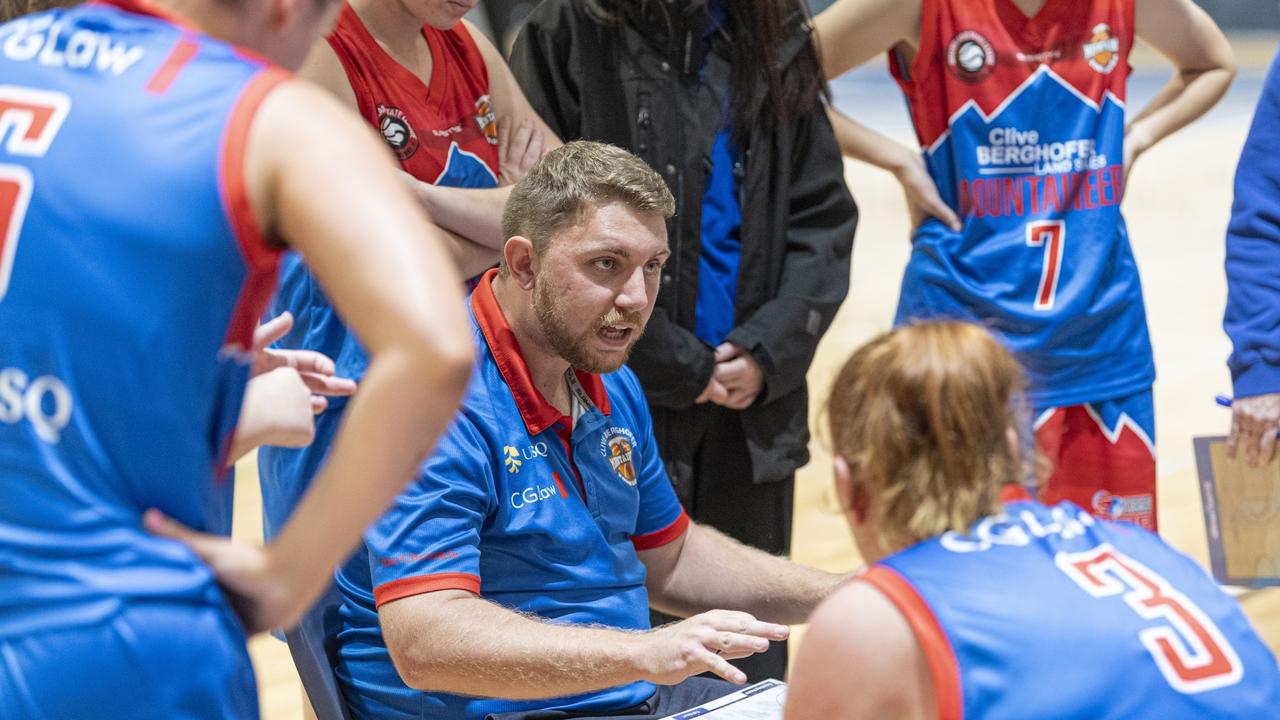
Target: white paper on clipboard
[{"x": 762, "y": 701}]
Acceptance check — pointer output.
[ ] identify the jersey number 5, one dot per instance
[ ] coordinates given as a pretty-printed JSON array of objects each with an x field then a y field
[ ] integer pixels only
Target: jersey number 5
[
  {"x": 1187, "y": 647},
  {"x": 30, "y": 118},
  {"x": 1052, "y": 236}
]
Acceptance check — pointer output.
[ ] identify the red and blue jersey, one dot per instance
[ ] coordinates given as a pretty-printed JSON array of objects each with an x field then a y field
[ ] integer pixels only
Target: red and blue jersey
[
  {"x": 1022, "y": 122},
  {"x": 132, "y": 275},
  {"x": 1046, "y": 612},
  {"x": 524, "y": 507},
  {"x": 442, "y": 132}
]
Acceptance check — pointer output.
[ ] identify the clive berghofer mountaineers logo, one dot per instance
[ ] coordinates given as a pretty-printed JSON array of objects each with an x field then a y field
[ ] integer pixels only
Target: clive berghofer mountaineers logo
[{"x": 618, "y": 446}]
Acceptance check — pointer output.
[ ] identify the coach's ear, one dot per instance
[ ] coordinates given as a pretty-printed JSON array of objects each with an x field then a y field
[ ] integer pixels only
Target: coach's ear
[{"x": 521, "y": 260}]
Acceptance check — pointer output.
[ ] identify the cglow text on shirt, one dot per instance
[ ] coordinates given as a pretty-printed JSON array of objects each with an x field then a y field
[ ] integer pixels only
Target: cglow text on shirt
[{"x": 40, "y": 39}]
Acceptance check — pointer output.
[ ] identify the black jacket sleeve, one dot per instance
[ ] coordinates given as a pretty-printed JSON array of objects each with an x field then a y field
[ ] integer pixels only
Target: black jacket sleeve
[
  {"x": 542, "y": 61},
  {"x": 783, "y": 333}
]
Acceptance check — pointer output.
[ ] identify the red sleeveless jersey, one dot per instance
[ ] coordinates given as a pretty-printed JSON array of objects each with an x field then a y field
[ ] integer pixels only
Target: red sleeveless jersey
[{"x": 443, "y": 132}]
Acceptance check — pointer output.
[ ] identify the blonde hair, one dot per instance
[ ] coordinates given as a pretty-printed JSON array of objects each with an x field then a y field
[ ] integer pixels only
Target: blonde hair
[
  {"x": 575, "y": 177},
  {"x": 925, "y": 414}
]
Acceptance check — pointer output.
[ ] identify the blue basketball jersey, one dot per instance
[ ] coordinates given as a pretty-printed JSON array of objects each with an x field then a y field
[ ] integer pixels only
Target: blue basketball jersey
[
  {"x": 132, "y": 275},
  {"x": 1047, "y": 612},
  {"x": 1022, "y": 121},
  {"x": 442, "y": 133}
]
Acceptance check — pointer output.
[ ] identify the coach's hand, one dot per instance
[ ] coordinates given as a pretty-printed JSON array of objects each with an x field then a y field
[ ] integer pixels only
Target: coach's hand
[
  {"x": 257, "y": 587},
  {"x": 705, "y": 642},
  {"x": 1254, "y": 423}
]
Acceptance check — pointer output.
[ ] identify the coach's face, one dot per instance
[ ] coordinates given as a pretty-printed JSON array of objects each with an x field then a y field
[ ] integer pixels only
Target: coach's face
[{"x": 595, "y": 285}]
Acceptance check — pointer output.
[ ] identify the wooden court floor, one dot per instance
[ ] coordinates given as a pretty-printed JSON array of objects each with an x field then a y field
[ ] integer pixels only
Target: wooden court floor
[{"x": 1177, "y": 206}]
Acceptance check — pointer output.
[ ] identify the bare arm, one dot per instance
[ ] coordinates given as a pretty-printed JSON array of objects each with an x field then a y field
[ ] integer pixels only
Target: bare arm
[
  {"x": 859, "y": 660},
  {"x": 453, "y": 641},
  {"x": 383, "y": 266},
  {"x": 870, "y": 146},
  {"x": 1188, "y": 37},
  {"x": 706, "y": 569},
  {"x": 851, "y": 32}
]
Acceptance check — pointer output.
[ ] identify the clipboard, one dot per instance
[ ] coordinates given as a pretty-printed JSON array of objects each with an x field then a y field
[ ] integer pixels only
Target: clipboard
[
  {"x": 1241, "y": 515},
  {"x": 762, "y": 701}
]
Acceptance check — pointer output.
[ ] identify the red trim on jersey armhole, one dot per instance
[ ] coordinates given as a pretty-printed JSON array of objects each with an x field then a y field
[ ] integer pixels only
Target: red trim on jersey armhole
[
  {"x": 182, "y": 52},
  {"x": 929, "y": 43},
  {"x": 261, "y": 258},
  {"x": 410, "y": 586},
  {"x": 664, "y": 536},
  {"x": 937, "y": 649}
]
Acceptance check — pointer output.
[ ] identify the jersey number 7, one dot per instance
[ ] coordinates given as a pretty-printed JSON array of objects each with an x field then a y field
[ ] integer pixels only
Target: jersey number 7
[
  {"x": 1052, "y": 236},
  {"x": 1187, "y": 647},
  {"x": 30, "y": 118}
]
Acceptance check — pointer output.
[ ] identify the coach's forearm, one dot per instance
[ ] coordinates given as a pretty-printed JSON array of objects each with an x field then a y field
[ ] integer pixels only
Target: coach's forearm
[
  {"x": 452, "y": 641},
  {"x": 713, "y": 570}
]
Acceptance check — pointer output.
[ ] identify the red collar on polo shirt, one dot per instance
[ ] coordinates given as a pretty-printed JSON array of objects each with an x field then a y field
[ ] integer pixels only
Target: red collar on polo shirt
[{"x": 538, "y": 414}]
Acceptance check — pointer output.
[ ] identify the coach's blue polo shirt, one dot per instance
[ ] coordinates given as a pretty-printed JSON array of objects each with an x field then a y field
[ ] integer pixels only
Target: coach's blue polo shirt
[{"x": 515, "y": 506}]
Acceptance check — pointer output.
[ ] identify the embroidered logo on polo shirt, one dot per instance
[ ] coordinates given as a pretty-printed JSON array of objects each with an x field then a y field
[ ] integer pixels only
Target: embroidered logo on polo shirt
[{"x": 618, "y": 446}]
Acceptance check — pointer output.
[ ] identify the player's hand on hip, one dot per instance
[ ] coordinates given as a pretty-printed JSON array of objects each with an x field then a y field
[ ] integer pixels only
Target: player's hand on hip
[
  {"x": 254, "y": 588},
  {"x": 706, "y": 642},
  {"x": 1254, "y": 423},
  {"x": 922, "y": 195}
]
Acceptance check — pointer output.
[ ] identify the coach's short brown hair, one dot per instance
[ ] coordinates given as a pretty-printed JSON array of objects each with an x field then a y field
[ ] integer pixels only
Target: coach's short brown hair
[{"x": 574, "y": 178}]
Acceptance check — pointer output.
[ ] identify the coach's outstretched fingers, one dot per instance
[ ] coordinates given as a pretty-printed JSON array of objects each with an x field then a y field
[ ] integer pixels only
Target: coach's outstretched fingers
[{"x": 706, "y": 642}]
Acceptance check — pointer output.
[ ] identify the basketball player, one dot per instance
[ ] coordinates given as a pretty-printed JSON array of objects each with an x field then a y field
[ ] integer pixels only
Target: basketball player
[
  {"x": 971, "y": 610},
  {"x": 148, "y": 172},
  {"x": 441, "y": 97},
  {"x": 1020, "y": 108}
]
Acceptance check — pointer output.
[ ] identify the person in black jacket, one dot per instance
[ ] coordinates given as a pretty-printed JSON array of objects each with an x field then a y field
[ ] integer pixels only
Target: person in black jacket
[{"x": 725, "y": 100}]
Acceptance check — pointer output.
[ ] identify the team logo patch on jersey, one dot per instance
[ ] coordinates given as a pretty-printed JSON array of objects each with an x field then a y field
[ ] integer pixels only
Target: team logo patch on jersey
[
  {"x": 1103, "y": 49},
  {"x": 486, "y": 120},
  {"x": 970, "y": 56},
  {"x": 618, "y": 446},
  {"x": 397, "y": 131}
]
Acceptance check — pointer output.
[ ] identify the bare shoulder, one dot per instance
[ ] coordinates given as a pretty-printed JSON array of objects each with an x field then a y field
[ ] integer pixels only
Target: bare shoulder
[
  {"x": 859, "y": 659},
  {"x": 297, "y": 129},
  {"x": 323, "y": 68}
]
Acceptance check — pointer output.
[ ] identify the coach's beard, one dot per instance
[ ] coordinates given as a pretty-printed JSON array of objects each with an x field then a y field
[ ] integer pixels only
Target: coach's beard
[{"x": 576, "y": 350}]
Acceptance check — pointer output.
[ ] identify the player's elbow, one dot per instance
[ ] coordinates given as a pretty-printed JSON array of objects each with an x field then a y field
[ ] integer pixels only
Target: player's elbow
[{"x": 442, "y": 357}]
